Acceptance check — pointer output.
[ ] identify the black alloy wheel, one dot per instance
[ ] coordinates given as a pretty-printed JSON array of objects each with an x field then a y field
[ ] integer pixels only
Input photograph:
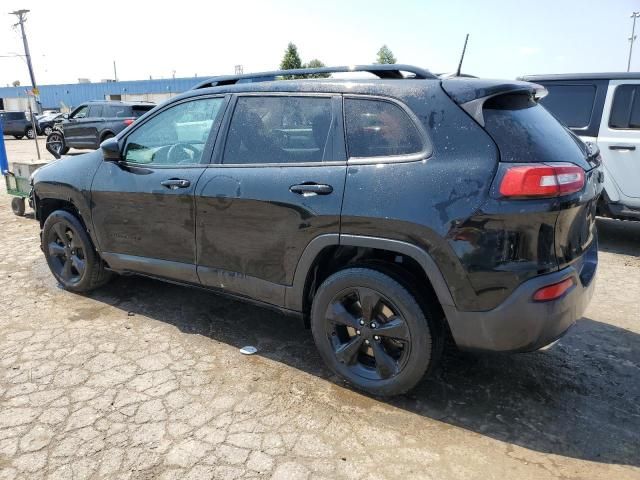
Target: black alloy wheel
[
  {"x": 368, "y": 333},
  {"x": 66, "y": 253},
  {"x": 70, "y": 253},
  {"x": 371, "y": 331}
]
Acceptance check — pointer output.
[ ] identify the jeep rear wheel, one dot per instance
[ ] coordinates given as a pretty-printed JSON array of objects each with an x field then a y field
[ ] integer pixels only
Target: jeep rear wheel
[
  {"x": 372, "y": 332},
  {"x": 70, "y": 253}
]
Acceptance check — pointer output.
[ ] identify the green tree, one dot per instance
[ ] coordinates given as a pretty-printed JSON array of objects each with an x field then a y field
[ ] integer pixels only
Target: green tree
[
  {"x": 16, "y": 83},
  {"x": 385, "y": 55},
  {"x": 315, "y": 63},
  {"x": 291, "y": 59}
]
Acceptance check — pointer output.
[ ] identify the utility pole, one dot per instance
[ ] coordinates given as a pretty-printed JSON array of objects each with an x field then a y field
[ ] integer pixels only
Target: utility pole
[
  {"x": 115, "y": 72},
  {"x": 22, "y": 17},
  {"x": 632, "y": 38}
]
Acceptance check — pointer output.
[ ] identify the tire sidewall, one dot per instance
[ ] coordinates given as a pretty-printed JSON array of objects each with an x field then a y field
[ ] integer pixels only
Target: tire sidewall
[
  {"x": 18, "y": 206},
  {"x": 420, "y": 355},
  {"x": 91, "y": 258}
]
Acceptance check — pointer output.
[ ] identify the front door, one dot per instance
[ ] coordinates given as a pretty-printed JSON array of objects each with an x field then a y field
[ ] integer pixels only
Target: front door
[
  {"x": 276, "y": 184},
  {"x": 619, "y": 136},
  {"x": 143, "y": 207},
  {"x": 73, "y": 127}
]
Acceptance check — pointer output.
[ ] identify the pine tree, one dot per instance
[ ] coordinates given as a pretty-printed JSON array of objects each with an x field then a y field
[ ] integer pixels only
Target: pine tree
[{"x": 385, "y": 55}]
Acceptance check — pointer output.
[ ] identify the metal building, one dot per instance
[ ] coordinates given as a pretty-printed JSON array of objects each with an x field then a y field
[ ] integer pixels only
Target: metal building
[{"x": 67, "y": 96}]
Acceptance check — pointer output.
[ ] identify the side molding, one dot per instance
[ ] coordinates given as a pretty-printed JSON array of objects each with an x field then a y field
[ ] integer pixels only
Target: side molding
[{"x": 183, "y": 272}]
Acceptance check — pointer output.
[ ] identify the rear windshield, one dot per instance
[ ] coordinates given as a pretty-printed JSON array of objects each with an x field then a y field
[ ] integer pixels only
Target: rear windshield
[
  {"x": 526, "y": 132},
  {"x": 141, "y": 110}
]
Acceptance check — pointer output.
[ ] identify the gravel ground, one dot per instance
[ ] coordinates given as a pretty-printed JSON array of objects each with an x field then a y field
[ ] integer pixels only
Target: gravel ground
[{"x": 143, "y": 380}]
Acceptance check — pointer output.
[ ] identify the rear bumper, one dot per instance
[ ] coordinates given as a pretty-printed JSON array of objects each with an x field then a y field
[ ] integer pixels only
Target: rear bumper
[{"x": 519, "y": 324}]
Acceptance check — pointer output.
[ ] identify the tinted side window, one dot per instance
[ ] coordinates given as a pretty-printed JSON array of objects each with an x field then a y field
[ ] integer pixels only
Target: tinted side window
[
  {"x": 140, "y": 110},
  {"x": 376, "y": 128},
  {"x": 571, "y": 104},
  {"x": 279, "y": 130},
  {"x": 111, "y": 111},
  {"x": 95, "y": 111},
  {"x": 176, "y": 136},
  {"x": 80, "y": 112},
  {"x": 625, "y": 109}
]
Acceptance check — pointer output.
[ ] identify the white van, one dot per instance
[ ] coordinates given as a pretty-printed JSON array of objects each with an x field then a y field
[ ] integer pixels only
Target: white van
[{"x": 603, "y": 108}]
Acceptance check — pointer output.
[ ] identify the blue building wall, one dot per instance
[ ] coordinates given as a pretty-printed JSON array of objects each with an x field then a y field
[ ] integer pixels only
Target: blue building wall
[{"x": 73, "y": 94}]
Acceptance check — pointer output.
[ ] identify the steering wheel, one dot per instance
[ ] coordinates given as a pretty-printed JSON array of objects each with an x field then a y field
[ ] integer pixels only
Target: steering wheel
[{"x": 180, "y": 149}]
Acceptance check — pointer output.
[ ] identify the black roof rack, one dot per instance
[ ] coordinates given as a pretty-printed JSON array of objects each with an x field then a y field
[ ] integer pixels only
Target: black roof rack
[{"x": 387, "y": 71}]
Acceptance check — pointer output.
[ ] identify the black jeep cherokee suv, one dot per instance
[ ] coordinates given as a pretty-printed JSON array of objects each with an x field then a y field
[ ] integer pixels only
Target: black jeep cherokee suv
[{"x": 390, "y": 213}]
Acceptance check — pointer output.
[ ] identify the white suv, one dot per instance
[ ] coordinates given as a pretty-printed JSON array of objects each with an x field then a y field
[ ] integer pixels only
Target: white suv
[{"x": 603, "y": 108}]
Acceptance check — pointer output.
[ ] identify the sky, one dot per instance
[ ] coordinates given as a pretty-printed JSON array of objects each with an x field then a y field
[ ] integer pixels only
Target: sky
[{"x": 72, "y": 39}]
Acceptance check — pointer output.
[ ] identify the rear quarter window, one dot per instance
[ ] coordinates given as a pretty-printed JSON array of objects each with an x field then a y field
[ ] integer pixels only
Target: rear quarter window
[
  {"x": 378, "y": 128},
  {"x": 138, "y": 111},
  {"x": 625, "y": 109},
  {"x": 571, "y": 104}
]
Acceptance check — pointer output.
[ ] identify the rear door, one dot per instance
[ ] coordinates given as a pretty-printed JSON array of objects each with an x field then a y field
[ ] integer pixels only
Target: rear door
[
  {"x": 276, "y": 185},
  {"x": 92, "y": 125},
  {"x": 619, "y": 138}
]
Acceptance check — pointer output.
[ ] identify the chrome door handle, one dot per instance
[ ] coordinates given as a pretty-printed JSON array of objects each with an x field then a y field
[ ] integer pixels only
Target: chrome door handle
[
  {"x": 174, "y": 183},
  {"x": 311, "y": 188}
]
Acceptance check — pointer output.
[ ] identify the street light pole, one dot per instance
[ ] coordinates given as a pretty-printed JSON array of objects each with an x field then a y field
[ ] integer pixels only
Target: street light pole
[
  {"x": 632, "y": 38},
  {"x": 22, "y": 17}
]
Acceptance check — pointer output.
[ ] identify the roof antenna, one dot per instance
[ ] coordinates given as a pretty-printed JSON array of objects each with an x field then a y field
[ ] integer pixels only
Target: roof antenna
[{"x": 464, "y": 49}]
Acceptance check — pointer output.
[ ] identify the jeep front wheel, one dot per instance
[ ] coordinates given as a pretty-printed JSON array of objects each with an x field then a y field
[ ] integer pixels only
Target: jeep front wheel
[
  {"x": 372, "y": 332},
  {"x": 70, "y": 253}
]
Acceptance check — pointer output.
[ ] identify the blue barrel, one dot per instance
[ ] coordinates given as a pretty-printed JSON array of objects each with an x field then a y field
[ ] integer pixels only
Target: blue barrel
[{"x": 4, "y": 163}]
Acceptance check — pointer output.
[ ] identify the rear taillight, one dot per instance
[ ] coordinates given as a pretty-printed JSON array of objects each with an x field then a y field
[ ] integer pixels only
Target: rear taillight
[
  {"x": 546, "y": 180},
  {"x": 128, "y": 121},
  {"x": 551, "y": 292}
]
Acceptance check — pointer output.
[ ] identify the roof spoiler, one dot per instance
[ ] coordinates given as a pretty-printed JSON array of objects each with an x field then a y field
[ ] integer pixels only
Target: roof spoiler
[
  {"x": 471, "y": 94},
  {"x": 391, "y": 71}
]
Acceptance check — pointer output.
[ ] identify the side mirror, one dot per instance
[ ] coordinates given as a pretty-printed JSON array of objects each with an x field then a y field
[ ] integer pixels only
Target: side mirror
[
  {"x": 111, "y": 150},
  {"x": 65, "y": 116}
]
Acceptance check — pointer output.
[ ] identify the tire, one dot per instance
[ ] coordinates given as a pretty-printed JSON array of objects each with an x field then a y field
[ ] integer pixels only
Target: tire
[
  {"x": 30, "y": 133},
  {"x": 47, "y": 131},
  {"x": 404, "y": 344},
  {"x": 70, "y": 254},
  {"x": 56, "y": 144},
  {"x": 17, "y": 205},
  {"x": 106, "y": 136},
  {"x": 18, "y": 137}
]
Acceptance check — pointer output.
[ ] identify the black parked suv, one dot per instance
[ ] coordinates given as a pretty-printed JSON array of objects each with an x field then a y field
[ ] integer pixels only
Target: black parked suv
[
  {"x": 92, "y": 123},
  {"x": 17, "y": 124},
  {"x": 389, "y": 213}
]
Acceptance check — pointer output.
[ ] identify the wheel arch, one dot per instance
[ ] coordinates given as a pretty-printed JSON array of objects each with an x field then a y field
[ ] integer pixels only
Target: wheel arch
[
  {"x": 334, "y": 252},
  {"x": 104, "y": 134}
]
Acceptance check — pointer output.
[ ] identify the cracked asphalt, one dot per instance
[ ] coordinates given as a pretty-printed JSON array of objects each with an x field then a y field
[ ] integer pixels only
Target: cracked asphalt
[{"x": 144, "y": 380}]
